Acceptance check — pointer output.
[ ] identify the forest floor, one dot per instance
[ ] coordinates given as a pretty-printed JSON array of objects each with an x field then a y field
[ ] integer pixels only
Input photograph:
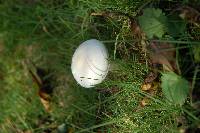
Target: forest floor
[{"x": 153, "y": 84}]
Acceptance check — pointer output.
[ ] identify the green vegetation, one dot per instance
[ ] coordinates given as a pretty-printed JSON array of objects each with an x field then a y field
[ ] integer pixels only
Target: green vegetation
[{"x": 39, "y": 94}]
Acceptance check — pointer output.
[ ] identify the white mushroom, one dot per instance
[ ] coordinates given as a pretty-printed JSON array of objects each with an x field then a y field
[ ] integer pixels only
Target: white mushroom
[{"x": 90, "y": 63}]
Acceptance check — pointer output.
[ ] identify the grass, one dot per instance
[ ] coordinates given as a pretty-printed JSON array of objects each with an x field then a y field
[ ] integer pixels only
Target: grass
[{"x": 47, "y": 34}]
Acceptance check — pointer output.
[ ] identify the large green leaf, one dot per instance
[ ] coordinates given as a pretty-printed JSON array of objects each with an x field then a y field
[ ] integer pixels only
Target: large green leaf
[
  {"x": 176, "y": 26},
  {"x": 174, "y": 87},
  {"x": 153, "y": 22}
]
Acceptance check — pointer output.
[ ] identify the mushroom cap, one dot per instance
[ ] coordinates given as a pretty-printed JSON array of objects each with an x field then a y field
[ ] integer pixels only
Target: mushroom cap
[{"x": 90, "y": 63}]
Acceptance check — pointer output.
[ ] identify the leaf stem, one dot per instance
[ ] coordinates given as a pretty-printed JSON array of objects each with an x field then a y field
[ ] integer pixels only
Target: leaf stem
[{"x": 194, "y": 82}]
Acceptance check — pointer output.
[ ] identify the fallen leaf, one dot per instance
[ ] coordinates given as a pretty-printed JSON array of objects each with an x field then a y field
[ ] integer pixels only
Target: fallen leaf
[
  {"x": 150, "y": 84},
  {"x": 146, "y": 87},
  {"x": 40, "y": 77},
  {"x": 151, "y": 77},
  {"x": 45, "y": 100},
  {"x": 190, "y": 14},
  {"x": 145, "y": 101},
  {"x": 164, "y": 54},
  {"x": 136, "y": 30},
  {"x": 151, "y": 88}
]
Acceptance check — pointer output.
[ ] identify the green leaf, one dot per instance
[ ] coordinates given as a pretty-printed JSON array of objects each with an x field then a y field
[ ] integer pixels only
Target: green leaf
[
  {"x": 174, "y": 87},
  {"x": 153, "y": 22},
  {"x": 176, "y": 26}
]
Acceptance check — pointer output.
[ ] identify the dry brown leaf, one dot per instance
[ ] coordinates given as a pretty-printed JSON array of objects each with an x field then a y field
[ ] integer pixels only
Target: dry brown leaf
[
  {"x": 136, "y": 30},
  {"x": 45, "y": 90},
  {"x": 150, "y": 83},
  {"x": 146, "y": 87},
  {"x": 145, "y": 101},
  {"x": 164, "y": 54},
  {"x": 151, "y": 88},
  {"x": 45, "y": 100},
  {"x": 151, "y": 77},
  {"x": 190, "y": 14}
]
